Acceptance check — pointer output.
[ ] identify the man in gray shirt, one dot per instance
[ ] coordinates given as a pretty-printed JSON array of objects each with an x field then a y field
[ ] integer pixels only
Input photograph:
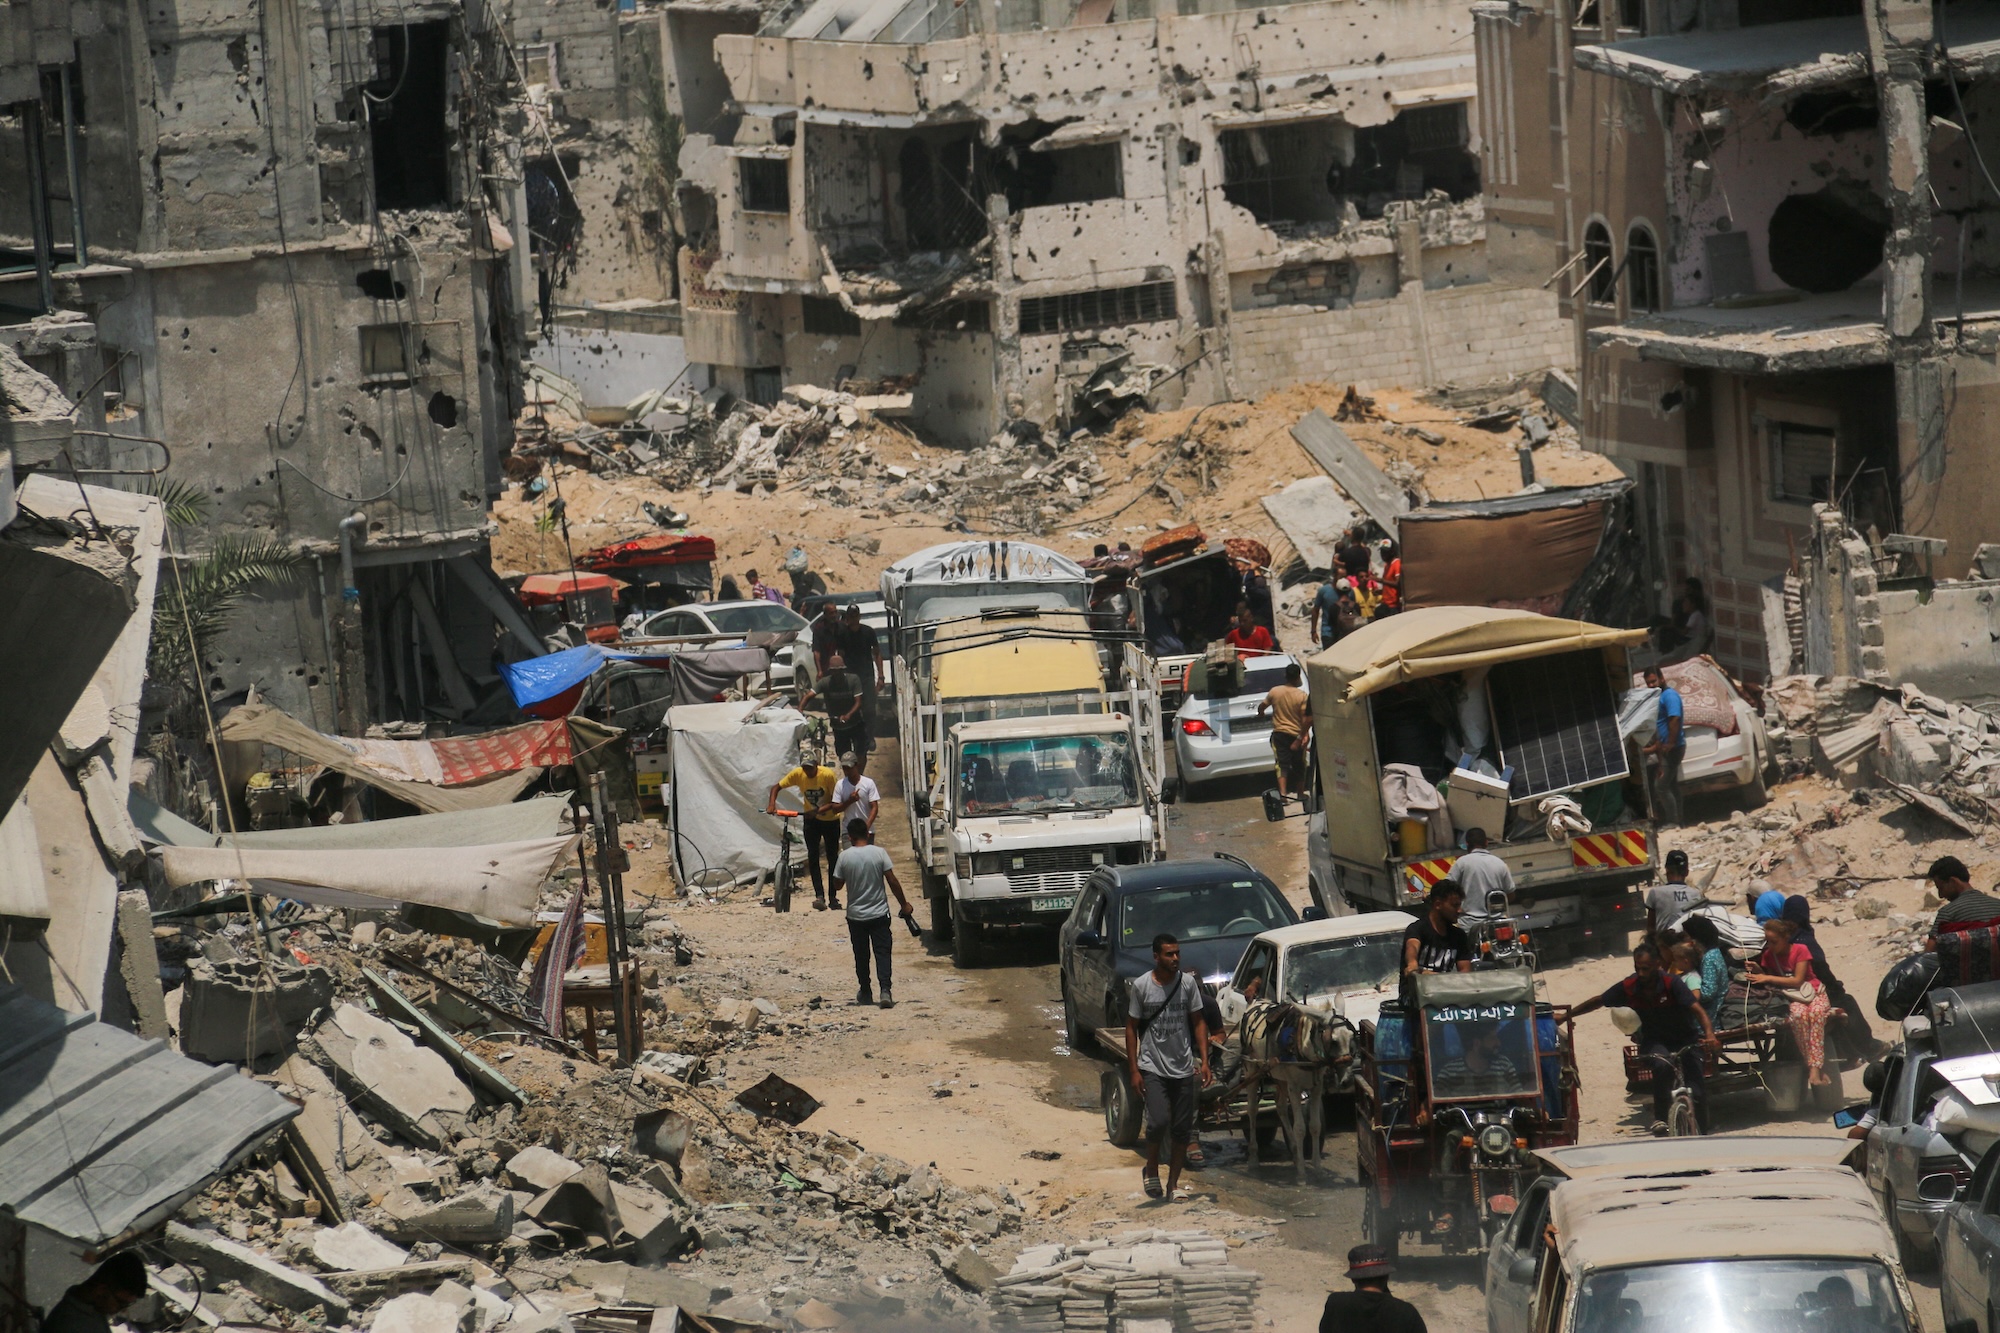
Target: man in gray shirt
[
  {"x": 1669, "y": 902},
  {"x": 865, "y": 869},
  {"x": 1479, "y": 870},
  {"x": 1162, "y": 1055}
]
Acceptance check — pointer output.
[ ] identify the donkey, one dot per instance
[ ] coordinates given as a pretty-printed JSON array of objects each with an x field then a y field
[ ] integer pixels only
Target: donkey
[{"x": 1293, "y": 1048}]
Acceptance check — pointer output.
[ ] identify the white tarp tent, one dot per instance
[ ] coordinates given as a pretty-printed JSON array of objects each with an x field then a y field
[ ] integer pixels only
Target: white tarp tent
[
  {"x": 721, "y": 762},
  {"x": 489, "y": 862}
]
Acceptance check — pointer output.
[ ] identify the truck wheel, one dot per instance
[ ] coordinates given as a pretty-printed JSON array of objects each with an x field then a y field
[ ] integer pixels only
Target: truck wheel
[
  {"x": 965, "y": 950},
  {"x": 1786, "y": 1084},
  {"x": 1075, "y": 1035},
  {"x": 938, "y": 890},
  {"x": 1122, "y": 1113}
]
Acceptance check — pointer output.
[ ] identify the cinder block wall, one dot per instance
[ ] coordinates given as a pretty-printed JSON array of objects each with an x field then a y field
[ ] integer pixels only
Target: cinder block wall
[{"x": 1478, "y": 334}]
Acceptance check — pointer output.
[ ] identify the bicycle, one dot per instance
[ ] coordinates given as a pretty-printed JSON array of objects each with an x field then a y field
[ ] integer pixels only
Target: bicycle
[
  {"x": 781, "y": 877},
  {"x": 1682, "y": 1120}
]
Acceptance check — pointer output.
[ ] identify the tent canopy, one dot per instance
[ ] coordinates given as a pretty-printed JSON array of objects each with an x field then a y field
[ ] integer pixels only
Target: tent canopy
[
  {"x": 1439, "y": 640},
  {"x": 722, "y": 760},
  {"x": 489, "y": 863}
]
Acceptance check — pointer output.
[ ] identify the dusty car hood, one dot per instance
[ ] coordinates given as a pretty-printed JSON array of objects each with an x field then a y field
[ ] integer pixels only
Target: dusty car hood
[{"x": 994, "y": 833}]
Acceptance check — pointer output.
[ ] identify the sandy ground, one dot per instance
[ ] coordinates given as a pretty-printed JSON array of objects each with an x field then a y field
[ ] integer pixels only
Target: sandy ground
[{"x": 1244, "y": 452}]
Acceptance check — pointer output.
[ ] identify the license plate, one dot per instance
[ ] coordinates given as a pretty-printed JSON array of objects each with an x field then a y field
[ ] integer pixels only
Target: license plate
[{"x": 1055, "y": 904}]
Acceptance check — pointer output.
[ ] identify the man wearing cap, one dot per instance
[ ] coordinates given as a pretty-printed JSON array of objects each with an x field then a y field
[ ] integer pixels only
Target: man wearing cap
[
  {"x": 1369, "y": 1308},
  {"x": 1669, "y": 902},
  {"x": 1965, "y": 908}
]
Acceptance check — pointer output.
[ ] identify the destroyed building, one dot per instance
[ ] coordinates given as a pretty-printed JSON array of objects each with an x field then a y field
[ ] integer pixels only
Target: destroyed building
[
  {"x": 1767, "y": 224},
  {"x": 986, "y": 206},
  {"x": 272, "y": 257}
]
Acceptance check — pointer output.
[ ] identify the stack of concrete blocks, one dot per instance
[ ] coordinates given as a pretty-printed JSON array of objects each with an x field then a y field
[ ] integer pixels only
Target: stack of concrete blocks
[{"x": 1134, "y": 1282}]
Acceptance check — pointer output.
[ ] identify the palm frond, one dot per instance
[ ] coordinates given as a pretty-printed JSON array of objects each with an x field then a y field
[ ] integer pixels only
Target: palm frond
[
  {"x": 187, "y": 506},
  {"x": 198, "y": 598}
]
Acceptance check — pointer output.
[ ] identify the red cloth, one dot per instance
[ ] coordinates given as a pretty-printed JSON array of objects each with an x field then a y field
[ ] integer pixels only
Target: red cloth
[
  {"x": 1257, "y": 640},
  {"x": 1787, "y": 966},
  {"x": 530, "y": 745}
]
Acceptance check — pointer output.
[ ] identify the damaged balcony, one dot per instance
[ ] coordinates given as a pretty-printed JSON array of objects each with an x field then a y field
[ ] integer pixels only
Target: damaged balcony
[{"x": 898, "y": 214}]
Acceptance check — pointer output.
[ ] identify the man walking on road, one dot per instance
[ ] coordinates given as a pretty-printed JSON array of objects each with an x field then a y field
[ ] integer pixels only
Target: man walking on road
[
  {"x": 1369, "y": 1308},
  {"x": 846, "y": 706},
  {"x": 865, "y": 868},
  {"x": 1663, "y": 756},
  {"x": 1166, "y": 1039},
  {"x": 1290, "y": 709},
  {"x": 863, "y": 652},
  {"x": 856, "y": 796},
  {"x": 820, "y": 824}
]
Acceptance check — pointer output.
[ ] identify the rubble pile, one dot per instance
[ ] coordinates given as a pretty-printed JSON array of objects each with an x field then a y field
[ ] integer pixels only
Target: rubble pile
[
  {"x": 1152, "y": 1280},
  {"x": 454, "y": 1171}
]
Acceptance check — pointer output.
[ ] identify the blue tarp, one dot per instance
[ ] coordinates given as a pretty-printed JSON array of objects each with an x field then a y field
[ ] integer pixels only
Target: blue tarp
[{"x": 537, "y": 678}]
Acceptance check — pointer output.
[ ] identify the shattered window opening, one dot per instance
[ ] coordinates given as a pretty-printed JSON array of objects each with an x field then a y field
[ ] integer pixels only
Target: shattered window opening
[
  {"x": 1642, "y": 268},
  {"x": 825, "y": 315},
  {"x": 765, "y": 184},
  {"x": 765, "y": 385},
  {"x": 1803, "y": 462},
  {"x": 538, "y": 65},
  {"x": 1103, "y": 307},
  {"x": 385, "y": 351},
  {"x": 1313, "y": 176},
  {"x": 1063, "y": 176},
  {"x": 942, "y": 192},
  {"x": 950, "y": 317},
  {"x": 1597, "y": 263},
  {"x": 406, "y": 106}
]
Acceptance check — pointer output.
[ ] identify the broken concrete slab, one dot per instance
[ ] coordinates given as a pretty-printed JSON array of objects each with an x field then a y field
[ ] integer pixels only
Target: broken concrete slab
[
  {"x": 1312, "y": 513},
  {"x": 417, "y": 1313},
  {"x": 483, "y": 1216},
  {"x": 338, "y": 1155},
  {"x": 582, "y": 1204},
  {"x": 488, "y": 1310},
  {"x": 352, "y": 1246},
  {"x": 139, "y": 965},
  {"x": 657, "y": 1227},
  {"x": 1329, "y": 446},
  {"x": 539, "y": 1169},
  {"x": 366, "y": 1285},
  {"x": 734, "y": 1016},
  {"x": 475, "y": 1070},
  {"x": 967, "y": 1267},
  {"x": 223, "y": 1260},
  {"x": 413, "y": 1088}
]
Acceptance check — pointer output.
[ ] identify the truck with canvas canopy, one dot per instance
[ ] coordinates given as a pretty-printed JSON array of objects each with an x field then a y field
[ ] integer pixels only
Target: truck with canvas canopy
[{"x": 1437, "y": 720}]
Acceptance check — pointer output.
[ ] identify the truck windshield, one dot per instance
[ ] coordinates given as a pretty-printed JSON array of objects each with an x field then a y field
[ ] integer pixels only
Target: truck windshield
[
  {"x": 1743, "y": 1296},
  {"x": 1032, "y": 774},
  {"x": 1362, "y": 962}
]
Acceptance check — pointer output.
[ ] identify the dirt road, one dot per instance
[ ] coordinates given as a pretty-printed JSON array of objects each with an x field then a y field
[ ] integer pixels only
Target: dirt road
[{"x": 970, "y": 1071}]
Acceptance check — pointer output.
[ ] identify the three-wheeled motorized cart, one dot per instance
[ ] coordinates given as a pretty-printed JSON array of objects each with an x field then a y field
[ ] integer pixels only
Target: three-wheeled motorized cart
[{"x": 1460, "y": 1083}]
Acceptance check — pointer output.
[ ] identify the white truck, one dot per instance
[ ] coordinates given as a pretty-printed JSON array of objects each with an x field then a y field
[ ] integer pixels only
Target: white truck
[
  {"x": 1510, "y": 693},
  {"x": 1022, "y": 771}
]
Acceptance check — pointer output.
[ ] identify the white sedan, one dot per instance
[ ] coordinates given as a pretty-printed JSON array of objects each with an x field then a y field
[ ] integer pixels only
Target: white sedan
[
  {"x": 1220, "y": 735},
  {"x": 737, "y": 619},
  {"x": 1346, "y": 965},
  {"x": 1727, "y": 746}
]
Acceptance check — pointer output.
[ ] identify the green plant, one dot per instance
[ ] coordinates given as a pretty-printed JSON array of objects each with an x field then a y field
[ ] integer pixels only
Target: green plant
[{"x": 198, "y": 595}]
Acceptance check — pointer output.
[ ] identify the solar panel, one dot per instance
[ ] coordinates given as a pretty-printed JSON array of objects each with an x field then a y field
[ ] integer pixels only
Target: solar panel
[{"x": 1557, "y": 723}]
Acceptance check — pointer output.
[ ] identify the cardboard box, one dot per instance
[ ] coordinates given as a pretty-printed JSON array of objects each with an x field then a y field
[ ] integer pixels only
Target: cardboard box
[{"x": 1477, "y": 801}]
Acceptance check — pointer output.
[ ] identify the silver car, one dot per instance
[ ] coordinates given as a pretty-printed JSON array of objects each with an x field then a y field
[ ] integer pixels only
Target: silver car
[
  {"x": 1221, "y": 736},
  {"x": 705, "y": 619},
  {"x": 1909, "y": 1161}
]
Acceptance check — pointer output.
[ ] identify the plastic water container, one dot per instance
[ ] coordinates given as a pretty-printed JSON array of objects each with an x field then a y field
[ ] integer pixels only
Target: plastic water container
[{"x": 1412, "y": 837}]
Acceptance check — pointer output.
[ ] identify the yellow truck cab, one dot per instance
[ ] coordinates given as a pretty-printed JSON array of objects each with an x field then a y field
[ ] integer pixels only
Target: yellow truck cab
[{"x": 1497, "y": 712}]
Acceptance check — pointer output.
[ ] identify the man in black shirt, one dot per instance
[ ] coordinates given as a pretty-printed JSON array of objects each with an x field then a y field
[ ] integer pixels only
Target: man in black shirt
[
  {"x": 1670, "y": 1021},
  {"x": 1435, "y": 942},
  {"x": 863, "y": 652},
  {"x": 846, "y": 706},
  {"x": 1965, "y": 908},
  {"x": 1369, "y": 1308}
]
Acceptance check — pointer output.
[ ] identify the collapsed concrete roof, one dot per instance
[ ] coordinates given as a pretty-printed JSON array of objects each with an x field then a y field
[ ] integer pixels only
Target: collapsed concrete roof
[
  {"x": 1780, "y": 59},
  {"x": 102, "y": 1133},
  {"x": 1834, "y": 331}
]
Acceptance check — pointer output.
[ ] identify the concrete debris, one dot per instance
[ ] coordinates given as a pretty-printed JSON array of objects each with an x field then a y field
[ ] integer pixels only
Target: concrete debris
[
  {"x": 235, "y": 1011},
  {"x": 352, "y": 1246},
  {"x": 416, "y": 1313},
  {"x": 413, "y": 1088},
  {"x": 223, "y": 1259},
  {"x": 1939, "y": 755},
  {"x": 476, "y": 1217},
  {"x": 1183, "y": 1279}
]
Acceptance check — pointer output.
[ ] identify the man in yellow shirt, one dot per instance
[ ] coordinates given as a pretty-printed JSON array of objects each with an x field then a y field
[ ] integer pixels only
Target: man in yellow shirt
[
  {"x": 1290, "y": 710},
  {"x": 814, "y": 783}
]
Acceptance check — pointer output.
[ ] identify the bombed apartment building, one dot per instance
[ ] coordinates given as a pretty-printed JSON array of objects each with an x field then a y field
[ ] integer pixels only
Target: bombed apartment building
[
  {"x": 1015, "y": 210},
  {"x": 1777, "y": 253},
  {"x": 272, "y": 254}
]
